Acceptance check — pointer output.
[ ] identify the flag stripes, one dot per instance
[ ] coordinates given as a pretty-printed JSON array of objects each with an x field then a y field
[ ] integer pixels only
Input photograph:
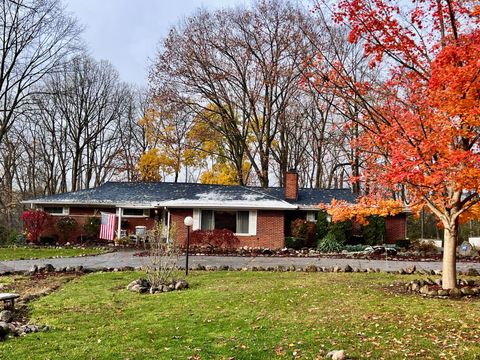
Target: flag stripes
[{"x": 107, "y": 226}]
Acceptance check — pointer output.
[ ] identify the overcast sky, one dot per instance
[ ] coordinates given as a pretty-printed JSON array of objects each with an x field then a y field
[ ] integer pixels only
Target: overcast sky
[{"x": 127, "y": 32}]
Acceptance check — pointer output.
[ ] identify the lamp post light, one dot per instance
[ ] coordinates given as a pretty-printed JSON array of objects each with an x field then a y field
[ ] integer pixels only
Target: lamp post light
[{"x": 188, "y": 223}]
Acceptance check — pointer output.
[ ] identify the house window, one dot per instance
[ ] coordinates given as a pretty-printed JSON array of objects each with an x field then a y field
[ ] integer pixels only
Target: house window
[
  {"x": 225, "y": 220},
  {"x": 135, "y": 212},
  {"x": 312, "y": 216},
  {"x": 235, "y": 221},
  {"x": 243, "y": 220},
  {"x": 56, "y": 210},
  {"x": 207, "y": 220}
]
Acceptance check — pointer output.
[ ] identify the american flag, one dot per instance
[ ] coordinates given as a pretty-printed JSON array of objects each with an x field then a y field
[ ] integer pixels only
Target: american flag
[{"x": 107, "y": 227}]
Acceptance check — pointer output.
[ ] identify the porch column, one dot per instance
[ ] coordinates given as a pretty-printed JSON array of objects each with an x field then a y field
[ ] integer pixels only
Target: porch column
[
  {"x": 168, "y": 225},
  {"x": 119, "y": 225}
]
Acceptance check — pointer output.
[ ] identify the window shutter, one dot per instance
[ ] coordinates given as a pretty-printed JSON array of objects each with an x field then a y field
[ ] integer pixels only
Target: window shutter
[
  {"x": 252, "y": 223},
  {"x": 196, "y": 219}
]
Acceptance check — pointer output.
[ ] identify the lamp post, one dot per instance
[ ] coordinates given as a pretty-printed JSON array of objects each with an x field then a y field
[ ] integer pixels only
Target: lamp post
[{"x": 188, "y": 223}]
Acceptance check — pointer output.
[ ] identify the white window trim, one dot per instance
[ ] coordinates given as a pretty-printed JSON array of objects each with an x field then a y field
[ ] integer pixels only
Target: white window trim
[
  {"x": 146, "y": 213},
  {"x": 65, "y": 211},
  {"x": 310, "y": 217},
  {"x": 252, "y": 221}
]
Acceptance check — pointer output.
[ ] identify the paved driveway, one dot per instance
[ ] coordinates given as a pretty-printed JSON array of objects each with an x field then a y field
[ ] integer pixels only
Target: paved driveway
[{"x": 125, "y": 258}]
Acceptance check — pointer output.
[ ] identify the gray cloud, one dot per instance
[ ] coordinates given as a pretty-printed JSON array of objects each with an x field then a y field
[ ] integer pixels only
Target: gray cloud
[{"x": 127, "y": 32}]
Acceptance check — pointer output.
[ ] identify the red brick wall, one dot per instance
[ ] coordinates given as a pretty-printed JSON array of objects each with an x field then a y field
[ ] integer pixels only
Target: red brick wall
[
  {"x": 395, "y": 228},
  {"x": 81, "y": 215},
  {"x": 270, "y": 228},
  {"x": 177, "y": 216},
  {"x": 270, "y": 231}
]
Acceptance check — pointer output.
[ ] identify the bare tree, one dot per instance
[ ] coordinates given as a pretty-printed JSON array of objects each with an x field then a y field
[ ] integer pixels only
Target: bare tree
[
  {"x": 37, "y": 37},
  {"x": 247, "y": 62}
]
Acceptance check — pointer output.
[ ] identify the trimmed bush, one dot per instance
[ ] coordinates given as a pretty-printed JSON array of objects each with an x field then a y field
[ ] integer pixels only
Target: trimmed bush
[
  {"x": 341, "y": 231},
  {"x": 48, "y": 240},
  {"x": 374, "y": 233},
  {"x": 65, "y": 226},
  {"x": 403, "y": 244},
  {"x": 322, "y": 224},
  {"x": 294, "y": 243},
  {"x": 91, "y": 228},
  {"x": 215, "y": 239}
]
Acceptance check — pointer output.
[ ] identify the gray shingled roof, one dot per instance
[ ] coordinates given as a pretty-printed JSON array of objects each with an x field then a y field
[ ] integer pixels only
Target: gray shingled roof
[
  {"x": 312, "y": 197},
  {"x": 147, "y": 194}
]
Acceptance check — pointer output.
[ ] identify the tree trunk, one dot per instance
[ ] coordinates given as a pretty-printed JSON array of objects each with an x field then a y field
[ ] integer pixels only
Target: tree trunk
[{"x": 449, "y": 266}]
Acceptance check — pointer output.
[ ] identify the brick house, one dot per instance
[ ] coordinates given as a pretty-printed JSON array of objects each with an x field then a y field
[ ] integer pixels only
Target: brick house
[{"x": 260, "y": 217}]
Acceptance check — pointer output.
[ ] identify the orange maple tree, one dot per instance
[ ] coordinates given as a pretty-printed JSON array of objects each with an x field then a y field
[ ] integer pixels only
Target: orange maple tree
[{"x": 420, "y": 134}]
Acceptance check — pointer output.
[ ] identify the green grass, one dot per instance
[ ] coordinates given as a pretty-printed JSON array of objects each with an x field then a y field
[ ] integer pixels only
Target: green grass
[
  {"x": 248, "y": 315},
  {"x": 25, "y": 252}
]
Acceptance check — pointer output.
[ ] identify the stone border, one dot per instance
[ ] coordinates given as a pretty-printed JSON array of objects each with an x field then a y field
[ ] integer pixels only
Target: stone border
[
  {"x": 433, "y": 288},
  {"x": 410, "y": 270}
]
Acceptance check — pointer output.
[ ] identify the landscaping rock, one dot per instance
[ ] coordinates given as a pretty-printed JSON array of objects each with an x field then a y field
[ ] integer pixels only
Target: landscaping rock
[
  {"x": 311, "y": 268},
  {"x": 6, "y": 316},
  {"x": 336, "y": 355},
  {"x": 267, "y": 252},
  {"x": 181, "y": 284},
  {"x": 139, "y": 285},
  {"x": 424, "y": 290},
  {"x": 336, "y": 269},
  {"x": 223, "y": 267},
  {"x": 442, "y": 292},
  {"x": 467, "y": 291},
  {"x": 47, "y": 268},
  {"x": 79, "y": 268},
  {"x": 455, "y": 293},
  {"x": 4, "y": 329},
  {"x": 33, "y": 269},
  {"x": 432, "y": 292},
  {"x": 27, "y": 329},
  {"x": 402, "y": 272},
  {"x": 410, "y": 269}
]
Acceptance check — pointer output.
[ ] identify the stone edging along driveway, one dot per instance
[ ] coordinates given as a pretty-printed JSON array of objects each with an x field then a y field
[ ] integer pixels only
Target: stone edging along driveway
[{"x": 120, "y": 259}]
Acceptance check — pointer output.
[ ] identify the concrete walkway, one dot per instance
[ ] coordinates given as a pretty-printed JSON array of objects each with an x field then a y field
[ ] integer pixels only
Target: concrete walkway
[{"x": 120, "y": 259}]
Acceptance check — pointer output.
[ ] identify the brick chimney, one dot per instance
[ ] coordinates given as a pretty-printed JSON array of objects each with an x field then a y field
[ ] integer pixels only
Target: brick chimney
[{"x": 291, "y": 185}]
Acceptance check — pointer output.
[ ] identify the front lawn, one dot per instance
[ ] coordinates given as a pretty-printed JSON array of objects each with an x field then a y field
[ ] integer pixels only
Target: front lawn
[
  {"x": 248, "y": 315},
  {"x": 27, "y": 252}
]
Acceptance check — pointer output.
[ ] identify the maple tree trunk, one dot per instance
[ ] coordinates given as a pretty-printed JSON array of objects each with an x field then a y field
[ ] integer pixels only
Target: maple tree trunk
[{"x": 449, "y": 262}]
